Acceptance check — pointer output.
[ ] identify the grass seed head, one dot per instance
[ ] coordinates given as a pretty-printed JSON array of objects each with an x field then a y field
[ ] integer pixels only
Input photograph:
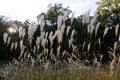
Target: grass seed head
[
  {"x": 5, "y": 36},
  {"x": 116, "y": 30},
  {"x": 105, "y": 31}
]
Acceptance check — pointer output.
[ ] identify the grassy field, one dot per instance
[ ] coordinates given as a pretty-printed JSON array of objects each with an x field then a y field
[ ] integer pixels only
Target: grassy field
[
  {"x": 60, "y": 71},
  {"x": 47, "y": 61}
]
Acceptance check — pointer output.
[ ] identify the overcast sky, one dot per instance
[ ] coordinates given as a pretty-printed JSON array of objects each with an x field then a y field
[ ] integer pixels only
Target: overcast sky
[{"x": 29, "y": 9}]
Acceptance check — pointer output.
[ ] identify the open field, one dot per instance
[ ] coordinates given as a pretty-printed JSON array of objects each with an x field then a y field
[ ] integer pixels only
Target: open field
[{"x": 68, "y": 49}]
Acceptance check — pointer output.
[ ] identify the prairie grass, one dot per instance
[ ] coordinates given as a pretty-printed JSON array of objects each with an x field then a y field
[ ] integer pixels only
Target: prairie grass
[
  {"x": 39, "y": 62},
  {"x": 58, "y": 71}
]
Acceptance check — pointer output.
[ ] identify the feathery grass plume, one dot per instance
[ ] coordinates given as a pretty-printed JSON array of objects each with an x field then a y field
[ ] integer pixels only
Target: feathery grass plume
[
  {"x": 5, "y": 36},
  {"x": 12, "y": 46},
  {"x": 38, "y": 43},
  {"x": 21, "y": 45},
  {"x": 88, "y": 28},
  {"x": 8, "y": 41},
  {"x": 99, "y": 63},
  {"x": 42, "y": 37},
  {"x": 47, "y": 65},
  {"x": 113, "y": 66},
  {"x": 52, "y": 55},
  {"x": 68, "y": 29},
  {"x": 21, "y": 54},
  {"x": 60, "y": 36},
  {"x": 105, "y": 31},
  {"x": 72, "y": 18},
  {"x": 72, "y": 34},
  {"x": 34, "y": 49},
  {"x": 44, "y": 42},
  {"x": 64, "y": 53},
  {"x": 28, "y": 56},
  {"x": 83, "y": 46},
  {"x": 38, "y": 18},
  {"x": 70, "y": 42},
  {"x": 89, "y": 45},
  {"x": 116, "y": 29},
  {"x": 115, "y": 47},
  {"x": 16, "y": 45},
  {"x": 42, "y": 22},
  {"x": 31, "y": 30},
  {"x": 92, "y": 29},
  {"x": 59, "y": 21},
  {"x": 32, "y": 62},
  {"x": 2, "y": 73},
  {"x": 113, "y": 62},
  {"x": 46, "y": 53},
  {"x": 65, "y": 15},
  {"x": 61, "y": 28},
  {"x": 51, "y": 39},
  {"x": 46, "y": 35},
  {"x": 96, "y": 28},
  {"x": 55, "y": 35},
  {"x": 94, "y": 20},
  {"x": 21, "y": 32},
  {"x": 95, "y": 62},
  {"x": 99, "y": 41},
  {"x": 25, "y": 56},
  {"x": 86, "y": 18}
]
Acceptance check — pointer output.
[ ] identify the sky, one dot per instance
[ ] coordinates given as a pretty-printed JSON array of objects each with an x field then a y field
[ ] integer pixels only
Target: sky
[{"x": 29, "y": 9}]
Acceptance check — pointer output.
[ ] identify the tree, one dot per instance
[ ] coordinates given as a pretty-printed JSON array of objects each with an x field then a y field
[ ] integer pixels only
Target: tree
[
  {"x": 109, "y": 10},
  {"x": 55, "y": 10},
  {"x": 18, "y": 23}
]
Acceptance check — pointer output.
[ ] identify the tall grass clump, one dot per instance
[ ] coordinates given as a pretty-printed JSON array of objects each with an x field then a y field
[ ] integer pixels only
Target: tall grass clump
[{"x": 65, "y": 53}]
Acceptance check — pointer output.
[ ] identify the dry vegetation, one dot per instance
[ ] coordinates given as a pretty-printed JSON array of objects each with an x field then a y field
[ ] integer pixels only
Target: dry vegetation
[{"x": 41, "y": 63}]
